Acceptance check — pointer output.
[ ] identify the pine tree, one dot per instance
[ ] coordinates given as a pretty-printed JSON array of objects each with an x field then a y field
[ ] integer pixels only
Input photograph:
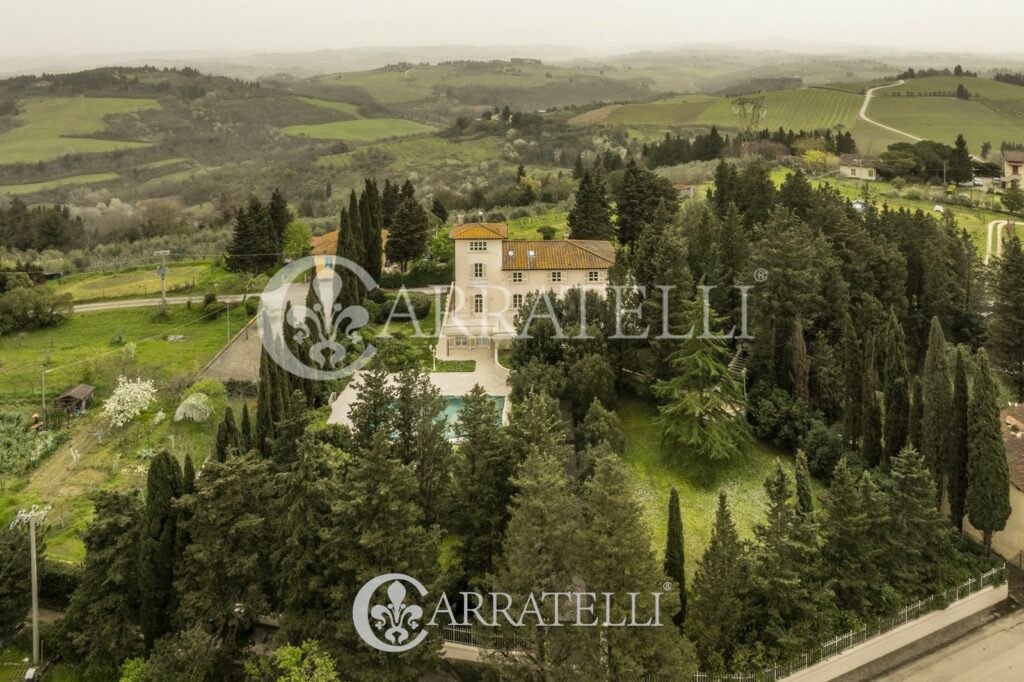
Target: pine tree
[
  {"x": 483, "y": 468},
  {"x": 636, "y": 200},
  {"x": 848, "y": 552},
  {"x": 988, "y": 491},
  {"x": 936, "y": 395},
  {"x": 674, "y": 553},
  {"x": 101, "y": 619},
  {"x": 1008, "y": 314},
  {"x": 615, "y": 556},
  {"x": 804, "y": 496},
  {"x": 717, "y": 611},
  {"x": 409, "y": 232},
  {"x": 157, "y": 549},
  {"x": 420, "y": 438},
  {"x": 871, "y": 435},
  {"x": 956, "y": 468},
  {"x": 961, "y": 168},
  {"x": 590, "y": 216},
  {"x": 371, "y": 411},
  {"x": 601, "y": 425},
  {"x": 918, "y": 538},
  {"x": 896, "y": 388}
]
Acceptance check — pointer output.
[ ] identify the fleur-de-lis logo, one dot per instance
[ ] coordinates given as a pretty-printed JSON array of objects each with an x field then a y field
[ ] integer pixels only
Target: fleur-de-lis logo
[
  {"x": 395, "y": 615},
  {"x": 395, "y": 623},
  {"x": 308, "y": 329}
]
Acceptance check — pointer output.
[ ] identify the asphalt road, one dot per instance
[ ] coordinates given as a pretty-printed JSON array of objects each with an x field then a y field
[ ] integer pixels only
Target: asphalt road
[{"x": 993, "y": 653}]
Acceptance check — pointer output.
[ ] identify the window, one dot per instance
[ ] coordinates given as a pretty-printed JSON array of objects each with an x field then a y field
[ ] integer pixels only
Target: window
[
  {"x": 517, "y": 278},
  {"x": 871, "y": 172},
  {"x": 853, "y": 172},
  {"x": 593, "y": 276},
  {"x": 517, "y": 301},
  {"x": 461, "y": 341},
  {"x": 478, "y": 270},
  {"x": 478, "y": 303},
  {"x": 478, "y": 246},
  {"x": 556, "y": 276}
]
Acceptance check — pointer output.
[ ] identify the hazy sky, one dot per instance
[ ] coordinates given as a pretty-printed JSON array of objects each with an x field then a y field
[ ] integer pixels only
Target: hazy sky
[{"x": 112, "y": 26}]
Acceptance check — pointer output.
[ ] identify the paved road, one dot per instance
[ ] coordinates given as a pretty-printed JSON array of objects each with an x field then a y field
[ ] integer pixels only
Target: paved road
[
  {"x": 863, "y": 113},
  {"x": 993, "y": 653},
  {"x": 146, "y": 302}
]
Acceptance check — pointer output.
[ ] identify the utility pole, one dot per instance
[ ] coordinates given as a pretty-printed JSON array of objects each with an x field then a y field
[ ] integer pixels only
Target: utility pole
[
  {"x": 163, "y": 275},
  {"x": 33, "y": 516}
]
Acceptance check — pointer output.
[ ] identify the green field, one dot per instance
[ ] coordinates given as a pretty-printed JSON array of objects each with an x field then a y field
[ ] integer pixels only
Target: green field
[
  {"x": 49, "y": 126},
  {"x": 943, "y": 118},
  {"x": 32, "y": 187},
  {"x": 181, "y": 280},
  {"x": 526, "y": 228},
  {"x": 361, "y": 130},
  {"x": 655, "y": 472}
]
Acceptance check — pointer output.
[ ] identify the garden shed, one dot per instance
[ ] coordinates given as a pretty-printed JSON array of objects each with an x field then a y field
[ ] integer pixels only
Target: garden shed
[{"x": 75, "y": 399}]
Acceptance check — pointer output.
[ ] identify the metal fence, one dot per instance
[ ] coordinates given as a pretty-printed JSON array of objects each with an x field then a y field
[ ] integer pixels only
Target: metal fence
[{"x": 854, "y": 638}]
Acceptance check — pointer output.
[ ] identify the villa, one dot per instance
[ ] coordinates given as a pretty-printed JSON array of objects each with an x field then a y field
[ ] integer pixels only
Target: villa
[{"x": 494, "y": 275}]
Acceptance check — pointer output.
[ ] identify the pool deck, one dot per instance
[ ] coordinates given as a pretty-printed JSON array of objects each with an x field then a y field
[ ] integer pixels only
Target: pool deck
[{"x": 488, "y": 374}]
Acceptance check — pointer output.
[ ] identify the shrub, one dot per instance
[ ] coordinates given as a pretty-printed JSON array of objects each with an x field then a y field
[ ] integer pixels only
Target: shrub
[
  {"x": 781, "y": 418},
  {"x": 824, "y": 447},
  {"x": 421, "y": 274},
  {"x": 57, "y": 582},
  {"x": 208, "y": 298},
  {"x": 546, "y": 231},
  {"x": 195, "y": 408},
  {"x": 213, "y": 389},
  {"x": 252, "y": 306}
]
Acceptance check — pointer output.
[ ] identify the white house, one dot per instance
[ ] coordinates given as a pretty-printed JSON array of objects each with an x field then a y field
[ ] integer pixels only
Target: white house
[
  {"x": 494, "y": 275},
  {"x": 858, "y": 166},
  {"x": 1013, "y": 166}
]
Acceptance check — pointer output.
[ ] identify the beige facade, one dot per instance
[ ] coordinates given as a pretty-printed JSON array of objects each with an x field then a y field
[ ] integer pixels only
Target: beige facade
[
  {"x": 858, "y": 167},
  {"x": 1013, "y": 167},
  {"x": 494, "y": 276}
]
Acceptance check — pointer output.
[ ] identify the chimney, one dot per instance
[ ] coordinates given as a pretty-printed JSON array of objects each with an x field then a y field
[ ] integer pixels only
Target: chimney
[{"x": 461, "y": 218}]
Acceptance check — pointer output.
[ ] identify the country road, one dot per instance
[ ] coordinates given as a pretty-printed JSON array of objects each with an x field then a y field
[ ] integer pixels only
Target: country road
[
  {"x": 863, "y": 113},
  {"x": 145, "y": 302}
]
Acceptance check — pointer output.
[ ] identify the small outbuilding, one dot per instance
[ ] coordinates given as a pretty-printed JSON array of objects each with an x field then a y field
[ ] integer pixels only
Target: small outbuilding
[
  {"x": 75, "y": 400},
  {"x": 1013, "y": 166},
  {"x": 858, "y": 166}
]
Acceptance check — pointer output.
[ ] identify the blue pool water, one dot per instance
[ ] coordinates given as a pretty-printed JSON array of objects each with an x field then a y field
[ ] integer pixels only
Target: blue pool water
[{"x": 453, "y": 405}]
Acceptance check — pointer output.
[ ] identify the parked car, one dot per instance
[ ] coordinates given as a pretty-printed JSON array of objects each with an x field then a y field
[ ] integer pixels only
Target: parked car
[{"x": 978, "y": 182}]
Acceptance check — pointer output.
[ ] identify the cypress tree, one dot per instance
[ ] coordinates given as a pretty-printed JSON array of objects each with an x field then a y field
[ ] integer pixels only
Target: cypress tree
[
  {"x": 264, "y": 405},
  {"x": 371, "y": 411},
  {"x": 804, "y": 496},
  {"x": 914, "y": 425},
  {"x": 988, "y": 491},
  {"x": 372, "y": 226},
  {"x": 956, "y": 469},
  {"x": 158, "y": 548},
  {"x": 897, "y": 389},
  {"x": 936, "y": 397},
  {"x": 853, "y": 373},
  {"x": 871, "y": 437},
  {"x": 245, "y": 435},
  {"x": 280, "y": 216},
  {"x": 848, "y": 550},
  {"x": 675, "y": 553},
  {"x": 1008, "y": 308}
]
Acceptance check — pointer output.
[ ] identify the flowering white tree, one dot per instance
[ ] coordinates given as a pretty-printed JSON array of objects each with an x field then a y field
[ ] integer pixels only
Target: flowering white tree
[{"x": 128, "y": 400}]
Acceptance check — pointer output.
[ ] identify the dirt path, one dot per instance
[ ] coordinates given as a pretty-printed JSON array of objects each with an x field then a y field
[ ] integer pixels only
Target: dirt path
[
  {"x": 863, "y": 113},
  {"x": 146, "y": 302},
  {"x": 994, "y": 247}
]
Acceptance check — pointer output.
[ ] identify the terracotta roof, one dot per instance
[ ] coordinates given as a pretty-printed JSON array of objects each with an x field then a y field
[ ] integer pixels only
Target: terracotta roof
[
  {"x": 565, "y": 254},
  {"x": 1014, "y": 155},
  {"x": 479, "y": 231},
  {"x": 325, "y": 245},
  {"x": 857, "y": 160},
  {"x": 1014, "y": 440}
]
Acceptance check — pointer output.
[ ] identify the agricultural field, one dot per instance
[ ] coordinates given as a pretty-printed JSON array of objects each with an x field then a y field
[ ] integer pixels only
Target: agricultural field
[
  {"x": 343, "y": 107},
  {"x": 33, "y": 187},
  {"x": 928, "y": 108},
  {"x": 182, "y": 280},
  {"x": 132, "y": 342},
  {"x": 49, "y": 127},
  {"x": 360, "y": 130},
  {"x": 805, "y": 108},
  {"x": 526, "y": 228}
]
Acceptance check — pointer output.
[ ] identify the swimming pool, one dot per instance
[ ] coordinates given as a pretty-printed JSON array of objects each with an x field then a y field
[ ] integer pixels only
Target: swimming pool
[{"x": 453, "y": 405}]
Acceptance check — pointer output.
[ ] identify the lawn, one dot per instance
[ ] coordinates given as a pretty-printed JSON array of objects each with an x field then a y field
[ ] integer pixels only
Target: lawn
[
  {"x": 526, "y": 228},
  {"x": 49, "y": 126},
  {"x": 361, "y": 130},
  {"x": 655, "y": 471},
  {"x": 32, "y": 187},
  {"x": 194, "y": 279}
]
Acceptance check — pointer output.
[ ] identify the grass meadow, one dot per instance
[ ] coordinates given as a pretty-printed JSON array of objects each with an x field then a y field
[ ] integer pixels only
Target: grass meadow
[{"x": 49, "y": 126}]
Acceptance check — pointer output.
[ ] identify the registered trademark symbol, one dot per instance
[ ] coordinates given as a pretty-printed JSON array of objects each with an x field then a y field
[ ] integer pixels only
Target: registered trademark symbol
[
  {"x": 761, "y": 275},
  {"x": 667, "y": 586}
]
